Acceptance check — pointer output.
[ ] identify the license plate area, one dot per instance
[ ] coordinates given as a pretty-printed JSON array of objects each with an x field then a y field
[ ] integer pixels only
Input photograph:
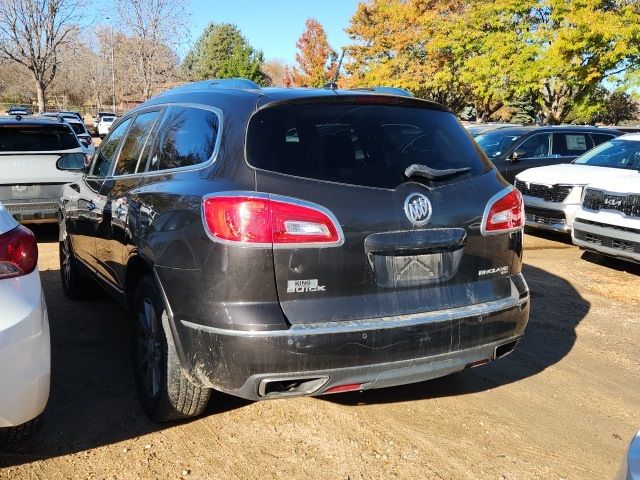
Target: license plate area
[
  {"x": 25, "y": 191},
  {"x": 391, "y": 271}
]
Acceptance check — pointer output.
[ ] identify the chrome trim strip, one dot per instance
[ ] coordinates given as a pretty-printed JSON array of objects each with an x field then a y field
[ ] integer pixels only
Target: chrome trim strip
[{"x": 402, "y": 321}]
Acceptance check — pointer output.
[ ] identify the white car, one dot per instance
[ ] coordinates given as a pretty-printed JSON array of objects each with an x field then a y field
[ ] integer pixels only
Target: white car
[
  {"x": 608, "y": 222},
  {"x": 25, "y": 352},
  {"x": 104, "y": 125},
  {"x": 30, "y": 183},
  {"x": 552, "y": 194}
]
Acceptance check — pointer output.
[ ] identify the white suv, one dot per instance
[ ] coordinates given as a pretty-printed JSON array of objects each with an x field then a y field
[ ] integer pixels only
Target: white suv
[
  {"x": 552, "y": 194},
  {"x": 608, "y": 222}
]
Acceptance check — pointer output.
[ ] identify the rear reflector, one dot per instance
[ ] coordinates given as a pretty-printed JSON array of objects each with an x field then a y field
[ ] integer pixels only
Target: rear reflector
[
  {"x": 18, "y": 253},
  {"x": 268, "y": 220},
  {"x": 477, "y": 364},
  {"x": 504, "y": 213},
  {"x": 350, "y": 387}
]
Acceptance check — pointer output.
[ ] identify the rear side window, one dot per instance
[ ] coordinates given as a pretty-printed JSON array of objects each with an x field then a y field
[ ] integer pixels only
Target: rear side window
[
  {"x": 108, "y": 150},
  {"x": 132, "y": 147},
  {"x": 79, "y": 129},
  {"x": 187, "y": 137},
  {"x": 599, "y": 138},
  {"x": 36, "y": 138},
  {"x": 369, "y": 145},
  {"x": 535, "y": 146},
  {"x": 571, "y": 144}
]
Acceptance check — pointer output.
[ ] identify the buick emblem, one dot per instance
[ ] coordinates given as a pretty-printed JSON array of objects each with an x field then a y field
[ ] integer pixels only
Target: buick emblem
[{"x": 418, "y": 209}]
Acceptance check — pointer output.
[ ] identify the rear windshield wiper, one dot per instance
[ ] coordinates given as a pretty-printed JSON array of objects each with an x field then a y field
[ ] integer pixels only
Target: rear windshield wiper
[{"x": 416, "y": 170}]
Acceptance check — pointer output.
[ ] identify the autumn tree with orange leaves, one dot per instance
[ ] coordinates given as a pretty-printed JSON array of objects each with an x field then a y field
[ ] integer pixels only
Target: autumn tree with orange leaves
[{"x": 317, "y": 61}]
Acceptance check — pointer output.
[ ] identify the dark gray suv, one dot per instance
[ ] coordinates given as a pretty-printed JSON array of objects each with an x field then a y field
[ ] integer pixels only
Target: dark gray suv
[{"x": 281, "y": 242}]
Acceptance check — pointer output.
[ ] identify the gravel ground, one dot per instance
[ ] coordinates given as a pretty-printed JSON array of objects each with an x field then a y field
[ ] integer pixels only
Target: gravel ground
[{"x": 564, "y": 405}]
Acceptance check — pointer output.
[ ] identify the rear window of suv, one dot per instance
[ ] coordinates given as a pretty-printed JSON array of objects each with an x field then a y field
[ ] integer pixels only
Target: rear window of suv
[
  {"x": 369, "y": 145},
  {"x": 36, "y": 138}
]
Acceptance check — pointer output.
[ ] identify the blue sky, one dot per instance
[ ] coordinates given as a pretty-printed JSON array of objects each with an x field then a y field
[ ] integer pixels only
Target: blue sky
[{"x": 275, "y": 25}]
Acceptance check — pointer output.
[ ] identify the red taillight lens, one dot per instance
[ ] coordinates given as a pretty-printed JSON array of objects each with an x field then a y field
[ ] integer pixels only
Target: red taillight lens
[
  {"x": 264, "y": 220},
  {"x": 504, "y": 214},
  {"x": 18, "y": 253}
]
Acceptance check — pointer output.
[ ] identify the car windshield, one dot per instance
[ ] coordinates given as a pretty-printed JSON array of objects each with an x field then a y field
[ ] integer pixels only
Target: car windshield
[
  {"x": 613, "y": 154},
  {"x": 108, "y": 119},
  {"x": 495, "y": 143}
]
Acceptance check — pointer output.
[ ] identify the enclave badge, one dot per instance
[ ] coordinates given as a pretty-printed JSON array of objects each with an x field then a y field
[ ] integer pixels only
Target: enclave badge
[{"x": 418, "y": 209}]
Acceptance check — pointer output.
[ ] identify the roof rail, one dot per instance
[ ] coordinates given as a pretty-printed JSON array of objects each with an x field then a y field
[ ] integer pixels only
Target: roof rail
[
  {"x": 218, "y": 83},
  {"x": 385, "y": 90}
]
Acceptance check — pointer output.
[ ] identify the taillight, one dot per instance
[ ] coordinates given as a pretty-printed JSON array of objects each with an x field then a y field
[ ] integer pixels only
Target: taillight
[
  {"x": 269, "y": 220},
  {"x": 18, "y": 253},
  {"x": 504, "y": 213}
]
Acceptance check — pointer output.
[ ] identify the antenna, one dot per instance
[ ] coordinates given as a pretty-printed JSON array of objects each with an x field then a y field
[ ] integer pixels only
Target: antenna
[{"x": 333, "y": 84}]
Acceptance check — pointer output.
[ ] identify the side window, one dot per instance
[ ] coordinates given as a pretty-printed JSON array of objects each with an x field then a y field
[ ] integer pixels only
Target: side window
[
  {"x": 599, "y": 138},
  {"x": 536, "y": 146},
  {"x": 187, "y": 137},
  {"x": 571, "y": 144},
  {"x": 108, "y": 150},
  {"x": 132, "y": 147}
]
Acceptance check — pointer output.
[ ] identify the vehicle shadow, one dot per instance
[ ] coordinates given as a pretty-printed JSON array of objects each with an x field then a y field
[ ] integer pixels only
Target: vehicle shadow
[
  {"x": 93, "y": 399},
  {"x": 559, "y": 237},
  {"x": 556, "y": 310},
  {"x": 610, "y": 262}
]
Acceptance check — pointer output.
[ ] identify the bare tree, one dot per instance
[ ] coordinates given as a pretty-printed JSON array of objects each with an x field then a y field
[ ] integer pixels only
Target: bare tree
[
  {"x": 154, "y": 26},
  {"x": 32, "y": 33}
]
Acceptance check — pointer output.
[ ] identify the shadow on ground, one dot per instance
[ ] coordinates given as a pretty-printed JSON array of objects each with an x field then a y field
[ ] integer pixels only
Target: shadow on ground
[
  {"x": 93, "y": 399},
  {"x": 610, "y": 262}
]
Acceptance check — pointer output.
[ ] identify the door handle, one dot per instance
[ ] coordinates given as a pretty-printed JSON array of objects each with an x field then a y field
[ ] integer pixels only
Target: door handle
[{"x": 91, "y": 205}]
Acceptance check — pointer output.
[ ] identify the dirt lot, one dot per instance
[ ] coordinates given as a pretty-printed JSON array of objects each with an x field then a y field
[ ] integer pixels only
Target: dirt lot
[{"x": 564, "y": 405}]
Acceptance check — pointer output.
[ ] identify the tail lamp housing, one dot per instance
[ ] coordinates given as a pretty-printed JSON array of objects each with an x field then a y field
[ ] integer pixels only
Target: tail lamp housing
[
  {"x": 254, "y": 219},
  {"x": 18, "y": 253},
  {"x": 504, "y": 213}
]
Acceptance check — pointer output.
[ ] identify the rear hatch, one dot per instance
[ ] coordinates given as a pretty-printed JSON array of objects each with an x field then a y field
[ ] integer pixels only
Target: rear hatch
[
  {"x": 28, "y": 155},
  {"x": 411, "y": 244}
]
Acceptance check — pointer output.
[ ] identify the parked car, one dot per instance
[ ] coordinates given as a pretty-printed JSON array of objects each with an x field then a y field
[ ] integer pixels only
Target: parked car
[
  {"x": 104, "y": 125},
  {"x": 69, "y": 114},
  {"x": 279, "y": 242},
  {"x": 98, "y": 117},
  {"x": 78, "y": 127},
  {"x": 630, "y": 469},
  {"x": 19, "y": 110},
  {"x": 608, "y": 221},
  {"x": 516, "y": 149},
  {"x": 25, "y": 352},
  {"x": 552, "y": 194},
  {"x": 30, "y": 183}
]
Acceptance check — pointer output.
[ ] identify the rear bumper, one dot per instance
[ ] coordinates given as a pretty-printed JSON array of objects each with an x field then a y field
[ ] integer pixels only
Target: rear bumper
[
  {"x": 25, "y": 353},
  {"x": 33, "y": 211},
  {"x": 374, "y": 353}
]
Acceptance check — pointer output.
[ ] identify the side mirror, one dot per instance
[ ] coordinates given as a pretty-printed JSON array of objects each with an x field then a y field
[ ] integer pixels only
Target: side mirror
[
  {"x": 516, "y": 156},
  {"x": 73, "y": 162}
]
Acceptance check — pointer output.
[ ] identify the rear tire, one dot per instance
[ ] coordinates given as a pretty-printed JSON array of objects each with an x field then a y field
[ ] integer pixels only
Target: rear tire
[
  {"x": 74, "y": 283},
  {"x": 164, "y": 390},
  {"x": 19, "y": 433}
]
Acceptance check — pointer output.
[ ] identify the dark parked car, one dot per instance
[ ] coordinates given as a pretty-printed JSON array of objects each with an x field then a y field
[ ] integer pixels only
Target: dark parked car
[
  {"x": 516, "y": 149},
  {"x": 19, "y": 110},
  {"x": 282, "y": 242}
]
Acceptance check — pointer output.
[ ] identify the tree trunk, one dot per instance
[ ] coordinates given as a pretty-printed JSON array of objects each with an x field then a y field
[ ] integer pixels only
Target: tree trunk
[{"x": 40, "y": 88}]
